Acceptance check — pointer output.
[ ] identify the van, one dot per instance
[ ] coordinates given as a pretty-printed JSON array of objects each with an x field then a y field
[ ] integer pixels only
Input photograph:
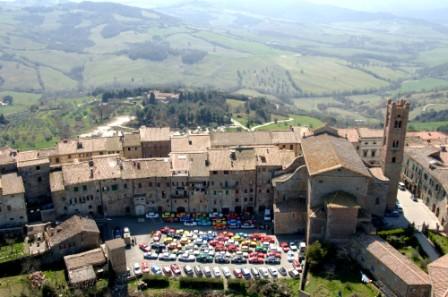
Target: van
[{"x": 267, "y": 215}]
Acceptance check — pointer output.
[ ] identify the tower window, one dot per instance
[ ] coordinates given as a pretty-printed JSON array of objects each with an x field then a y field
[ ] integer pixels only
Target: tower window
[{"x": 394, "y": 160}]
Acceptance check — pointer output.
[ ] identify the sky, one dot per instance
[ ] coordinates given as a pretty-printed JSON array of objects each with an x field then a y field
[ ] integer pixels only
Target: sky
[{"x": 392, "y": 6}]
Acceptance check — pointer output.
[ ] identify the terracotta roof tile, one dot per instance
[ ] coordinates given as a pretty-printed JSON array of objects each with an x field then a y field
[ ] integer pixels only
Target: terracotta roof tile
[
  {"x": 11, "y": 184},
  {"x": 325, "y": 153},
  {"x": 155, "y": 134},
  {"x": 401, "y": 266},
  {"x": 72, "y": 227}
]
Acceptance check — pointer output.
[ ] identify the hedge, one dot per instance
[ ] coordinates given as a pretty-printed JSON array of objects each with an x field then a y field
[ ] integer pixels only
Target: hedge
[
  {"x": 440, "y": 241},
  {"x": 201, "y": 284},
  {"x": 237, "y": 286},
  {"x": 155, "y": 281}
]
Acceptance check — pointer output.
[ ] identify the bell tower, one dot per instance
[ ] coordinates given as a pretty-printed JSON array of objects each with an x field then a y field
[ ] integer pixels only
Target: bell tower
[{"x": 392, "y": 151}]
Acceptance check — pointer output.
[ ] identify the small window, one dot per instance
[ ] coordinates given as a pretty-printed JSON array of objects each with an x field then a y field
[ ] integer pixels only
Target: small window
[
  {"x": 394, "y": 160},
  {"x": 114, "y": 187}
]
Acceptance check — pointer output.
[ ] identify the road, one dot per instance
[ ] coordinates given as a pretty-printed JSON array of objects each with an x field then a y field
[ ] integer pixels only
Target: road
[
  {"x": 238, "y": 124},
  {"x": 270, "y": 123}
]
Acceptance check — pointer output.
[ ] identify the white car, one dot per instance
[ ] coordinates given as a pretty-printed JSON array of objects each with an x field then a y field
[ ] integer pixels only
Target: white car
[
  {"x": 216, "y": 272},
  {"x": 291, "y": 256},
  {"x": 137, "y": 269},
  {"x": 207, "y": 271},
  {"x": 226, "y": 272},
  {"x": 264, "y": 272},
  {"x": 188, "y": 270},
  {"x": 152, "y": 215},
  {"x": 293, "y": 247},
  {"x": 273, "y": 271}
]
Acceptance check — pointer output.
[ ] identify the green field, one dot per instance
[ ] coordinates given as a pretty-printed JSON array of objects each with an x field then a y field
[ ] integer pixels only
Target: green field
[
  {"x": 298, "y": 120},
  {"x": 12, "y": 252},
  {"x": 426, "y": 126},
  {"x": 341, "y": 278},
  {"x": 21, "y": 102},
  {"x": 423, "y": 85}
]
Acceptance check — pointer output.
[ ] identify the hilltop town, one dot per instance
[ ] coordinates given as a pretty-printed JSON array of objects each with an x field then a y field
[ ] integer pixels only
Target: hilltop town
[{"x": 330, "y": 185}]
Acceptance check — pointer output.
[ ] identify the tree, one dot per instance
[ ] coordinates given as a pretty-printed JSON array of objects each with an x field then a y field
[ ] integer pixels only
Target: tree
[
  {"x": 8, "y": 99},
  {"x": 316, "y": 253},
  {"x": 3, "y": 120},
  {"x": 152, "y": 98}
]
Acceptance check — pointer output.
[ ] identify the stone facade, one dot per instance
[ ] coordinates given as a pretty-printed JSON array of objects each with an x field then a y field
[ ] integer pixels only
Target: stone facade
[
  {"x": 426, "y": 176},
  {"x": 12, "y": 201},
  {"x": 397, "y": 114},
  {"x": 115, "y": 251},
  {"x": 34, "y": 168},
  {"x": 389, "y": 266}
]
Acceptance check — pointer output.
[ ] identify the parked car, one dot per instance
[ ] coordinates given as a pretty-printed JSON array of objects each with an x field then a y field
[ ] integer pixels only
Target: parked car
[
  {"x": 198, "y": 271},
  {"x": 264, "y": 272},
  {"x": 145, "y": 267},
  {"x": 156, "y": 269},
  {"x": 402, "y": 186},
  {"x": 255, "y": 273},
  {"x": 216, "y": 272},
  {"x": 226, "y": 272},
  {"x": 246, "y": 273},
  {"x": 176, "y": 269},
  {"x": 152, "y": 215},
  {"x": 207, "y": 271},
  {"x": 151, "y": 256},
  {"x": 137, "y": 269},
  {"x": 282, "y": 271},
  {"x": 293, "y": 273},
  {"x": 238, "y": 273},
  {"x": 167, "y": 271},
  {"x": 188, "y": 270},
  {"x": 273, "y": 271}
]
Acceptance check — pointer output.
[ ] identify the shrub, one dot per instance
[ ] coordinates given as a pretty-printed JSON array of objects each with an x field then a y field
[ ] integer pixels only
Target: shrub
[
  {"x": 237, "y": 286},
  {"x": 440, "y": 241},
  {"x": 200, "y": 284},
  {"x": 155, "y": 281}
]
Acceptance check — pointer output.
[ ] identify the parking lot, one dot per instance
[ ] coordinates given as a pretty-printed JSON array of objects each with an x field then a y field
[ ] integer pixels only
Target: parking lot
[{"x": 193, "y": 245}]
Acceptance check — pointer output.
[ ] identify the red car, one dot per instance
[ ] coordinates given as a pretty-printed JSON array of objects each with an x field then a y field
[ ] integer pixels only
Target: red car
[
  {"x": 145, "y": 267},
  {"x": 238, "y": 273},
  {"x": 144, "y": 247},
  {"x": 167, "y": 271},
  {"x": 296, "y": 264},
  {"x": 284, "y": 246},
  {"x": 175, "y": 269},
  {"x": 166, "y": 230}
]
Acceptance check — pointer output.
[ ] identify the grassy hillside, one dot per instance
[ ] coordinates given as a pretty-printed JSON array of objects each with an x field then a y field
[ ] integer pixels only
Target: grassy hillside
[{"x": 340, "y": 71}]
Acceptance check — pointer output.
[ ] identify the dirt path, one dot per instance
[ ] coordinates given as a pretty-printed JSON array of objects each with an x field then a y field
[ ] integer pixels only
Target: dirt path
[{"x": 109, "y": 128}]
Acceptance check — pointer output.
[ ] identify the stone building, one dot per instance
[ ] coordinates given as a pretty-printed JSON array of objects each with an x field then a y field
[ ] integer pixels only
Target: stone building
[
  {"x": 93, "y": 188},
  {"x": 12, "y": 201},
  {"x": 34, "y": 168},
  {"x": 425, "y": 174},
  {"x": 395, "y": 126},
  {"x": 74, "y": 235},
  {"x": 369, "y": 145},
  {"x": 81, "y": 268},
  {"x": 83, "y": 149},
  {"x": 8, "y": 162},
  {"x": 132, "y": 146},
  {"x": 115, "y": 251},
  {"x": 390, "y": 267},
  {"x": 338, "y": 197},
  {"x": 438, "y": 273},
  {"x": 156, "y": 142}
]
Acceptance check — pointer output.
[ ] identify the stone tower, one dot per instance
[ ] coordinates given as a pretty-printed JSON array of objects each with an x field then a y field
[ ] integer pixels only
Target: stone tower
[{"x": 392, "y": 151}]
